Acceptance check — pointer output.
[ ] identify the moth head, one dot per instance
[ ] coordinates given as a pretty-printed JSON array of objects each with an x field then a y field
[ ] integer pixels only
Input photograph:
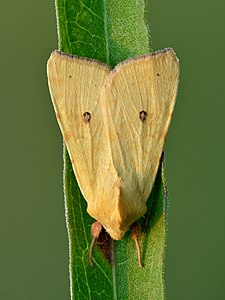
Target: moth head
[
  {"x": 111, "y": 206},
  {"x": 104, "y": 207}
]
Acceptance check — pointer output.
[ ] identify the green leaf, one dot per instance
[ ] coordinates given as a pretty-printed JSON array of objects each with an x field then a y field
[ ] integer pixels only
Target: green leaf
[{"x": 110, "y": 31}]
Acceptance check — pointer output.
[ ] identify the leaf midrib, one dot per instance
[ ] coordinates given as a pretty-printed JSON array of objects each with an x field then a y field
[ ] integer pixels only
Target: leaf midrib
[
  {"x": 106, "y": 31},
  {"x": 107, "y": 61}
]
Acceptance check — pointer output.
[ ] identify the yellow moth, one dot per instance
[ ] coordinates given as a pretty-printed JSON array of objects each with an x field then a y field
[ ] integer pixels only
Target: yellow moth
[{"x": 114, "y": 124}]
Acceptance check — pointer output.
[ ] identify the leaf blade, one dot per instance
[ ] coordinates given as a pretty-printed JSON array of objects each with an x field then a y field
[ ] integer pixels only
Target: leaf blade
[{"x": 110, "y": 31}]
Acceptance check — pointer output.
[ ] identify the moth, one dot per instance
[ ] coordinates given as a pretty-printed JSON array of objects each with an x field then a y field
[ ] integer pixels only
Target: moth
[{"x": 114, "y": 123}]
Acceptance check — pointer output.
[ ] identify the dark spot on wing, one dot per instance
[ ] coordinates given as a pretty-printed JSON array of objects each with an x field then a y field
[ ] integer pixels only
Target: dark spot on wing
[
  {"x": 143, "y": 115},
  {"x": 87, "y": 117}
]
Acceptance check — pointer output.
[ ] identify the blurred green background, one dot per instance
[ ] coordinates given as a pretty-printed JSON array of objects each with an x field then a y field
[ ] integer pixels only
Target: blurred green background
[{"x": 33, "y": 249}]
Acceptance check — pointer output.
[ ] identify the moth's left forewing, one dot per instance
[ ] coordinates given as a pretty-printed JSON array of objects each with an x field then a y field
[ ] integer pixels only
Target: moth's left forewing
[{"x": 138, "y": 99}]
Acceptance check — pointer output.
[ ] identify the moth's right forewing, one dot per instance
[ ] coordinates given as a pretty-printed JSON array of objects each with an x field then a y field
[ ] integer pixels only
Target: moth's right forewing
[
  {"x": 138, "y": 99},
  {"x": 75, "y": 85}
]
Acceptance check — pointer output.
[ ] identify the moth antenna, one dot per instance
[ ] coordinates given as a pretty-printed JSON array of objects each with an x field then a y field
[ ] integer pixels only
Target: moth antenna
[
  {"x": 91, "y": 250},
  {"x": 138, "y": 252},
  {"x": 96, "y": 229},
  {"x": 136, "y": 230}
]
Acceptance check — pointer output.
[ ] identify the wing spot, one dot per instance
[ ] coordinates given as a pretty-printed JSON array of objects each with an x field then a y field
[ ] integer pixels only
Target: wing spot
[
  {"x": 87, "y": 117},
  {"x": 143, "y": 115},
  {"x": 158, "y": 74},
  {"x": 70, "y": 76}
]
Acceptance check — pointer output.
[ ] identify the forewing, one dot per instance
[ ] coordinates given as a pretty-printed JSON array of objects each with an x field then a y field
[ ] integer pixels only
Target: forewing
[
  {"x": 138, "y": 100},
  {"x": 75, "y": 85}
]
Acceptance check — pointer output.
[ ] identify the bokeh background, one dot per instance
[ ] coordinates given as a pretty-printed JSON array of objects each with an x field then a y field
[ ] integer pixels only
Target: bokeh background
[{"x": 33, "y": 238}]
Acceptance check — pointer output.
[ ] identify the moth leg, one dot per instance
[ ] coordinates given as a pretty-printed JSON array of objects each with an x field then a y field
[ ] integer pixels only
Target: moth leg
[
  {"x": 136, "y": 231},
  {"x": 96, "y": 228}
]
